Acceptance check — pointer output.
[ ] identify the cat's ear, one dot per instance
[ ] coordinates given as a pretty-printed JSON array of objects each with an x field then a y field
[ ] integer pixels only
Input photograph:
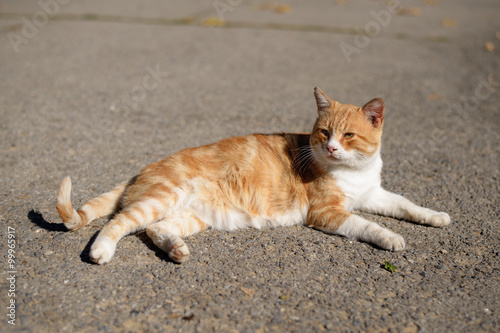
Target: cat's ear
[
  {"x": 374, "y": 110},
  {"x": 322, "y": 101}
]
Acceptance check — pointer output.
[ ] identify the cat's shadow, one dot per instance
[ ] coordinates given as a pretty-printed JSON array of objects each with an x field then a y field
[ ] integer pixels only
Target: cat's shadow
[
  {"x": 38, "y": 219},
  {"x": 159, "y": 253}
]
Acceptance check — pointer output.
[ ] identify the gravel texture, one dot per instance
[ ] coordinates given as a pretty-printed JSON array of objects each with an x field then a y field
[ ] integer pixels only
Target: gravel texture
[{"x": 79, "y": 99}]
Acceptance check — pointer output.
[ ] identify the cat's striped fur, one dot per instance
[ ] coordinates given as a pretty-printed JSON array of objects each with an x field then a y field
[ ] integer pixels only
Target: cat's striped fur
[{"x": 258, "y": 181}]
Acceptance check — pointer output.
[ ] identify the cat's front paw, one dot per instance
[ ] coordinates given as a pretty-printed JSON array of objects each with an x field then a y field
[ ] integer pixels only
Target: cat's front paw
[
  {"x": 439, "y": 219},
  {"x": 392, "y": 242},
  {"x": 102, "y": 251}
]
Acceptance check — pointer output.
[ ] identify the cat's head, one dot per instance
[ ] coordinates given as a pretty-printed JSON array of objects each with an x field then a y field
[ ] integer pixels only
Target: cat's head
[{"x": 344, "y": 134}]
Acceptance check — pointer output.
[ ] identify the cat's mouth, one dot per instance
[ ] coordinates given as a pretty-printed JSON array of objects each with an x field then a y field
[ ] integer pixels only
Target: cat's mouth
[{"x": 335, "y": 156}]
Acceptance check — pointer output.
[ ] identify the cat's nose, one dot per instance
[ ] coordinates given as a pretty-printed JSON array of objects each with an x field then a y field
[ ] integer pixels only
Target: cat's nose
[{"x": 331, "y": 149}]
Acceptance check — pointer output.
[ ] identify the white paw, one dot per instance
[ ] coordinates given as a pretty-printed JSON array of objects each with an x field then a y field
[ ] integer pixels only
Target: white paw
[
  {"x": 391, "y": 242},
  {"x": 179, "y": 252},
  {"x": 359, "y": 228},
  {"x": 102, "y": 251},
  {"x": 439, "y": 219}
]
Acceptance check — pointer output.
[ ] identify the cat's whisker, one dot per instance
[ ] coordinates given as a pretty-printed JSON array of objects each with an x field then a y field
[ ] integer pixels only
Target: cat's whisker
[{"x": 303, "y": 159}]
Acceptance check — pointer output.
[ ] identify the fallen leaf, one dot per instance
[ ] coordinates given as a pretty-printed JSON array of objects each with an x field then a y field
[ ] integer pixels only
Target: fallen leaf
[
  {"x": 434, "y": 97},
  {"x": 449, "y": 23},
  {"x": 283, "y": 9},
  {"x": 248, "y": 291},
  {"x": 341, "y": 2},
  {"x": 275, "y": 7},
  {"x": 489, "y": 46},
  {"x": 409, "y": 11},
  {"x": 213, "y": 22}
]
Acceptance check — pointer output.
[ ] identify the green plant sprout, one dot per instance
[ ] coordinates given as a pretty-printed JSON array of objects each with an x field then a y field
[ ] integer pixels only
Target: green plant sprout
[{"x": 390, "y": 267}]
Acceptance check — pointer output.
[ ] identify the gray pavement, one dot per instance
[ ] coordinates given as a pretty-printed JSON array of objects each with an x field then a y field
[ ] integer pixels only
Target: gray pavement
[{"x": 98, "y": 89}]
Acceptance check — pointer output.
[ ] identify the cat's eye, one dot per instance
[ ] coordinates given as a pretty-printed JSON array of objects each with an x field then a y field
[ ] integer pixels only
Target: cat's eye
[
  {"x": 325, "y": 133},
  {"x": 348, "y": 135}
]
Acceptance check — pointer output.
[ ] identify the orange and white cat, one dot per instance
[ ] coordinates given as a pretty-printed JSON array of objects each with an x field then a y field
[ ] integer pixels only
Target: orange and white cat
[{"x": 258, "y": 181}]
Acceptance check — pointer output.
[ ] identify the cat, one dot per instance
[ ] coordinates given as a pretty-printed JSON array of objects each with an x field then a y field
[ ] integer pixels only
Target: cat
[{"x": 260, "y": 180}]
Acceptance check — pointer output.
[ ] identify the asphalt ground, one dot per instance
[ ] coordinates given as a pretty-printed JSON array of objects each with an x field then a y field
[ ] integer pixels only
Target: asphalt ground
[{"x": 101, "y": 88}]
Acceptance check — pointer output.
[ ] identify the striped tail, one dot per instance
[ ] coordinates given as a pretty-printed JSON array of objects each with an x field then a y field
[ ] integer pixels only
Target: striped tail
[{"x": 103, "y": 205}]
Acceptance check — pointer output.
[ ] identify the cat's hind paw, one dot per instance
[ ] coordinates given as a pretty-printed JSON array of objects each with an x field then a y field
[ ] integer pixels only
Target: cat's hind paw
[
  {"x": 179, "y": 252},
  {"x": 102, "y": 251},
  {"x": 438, "y": 219},
  {"x": 393, "y": 242}
]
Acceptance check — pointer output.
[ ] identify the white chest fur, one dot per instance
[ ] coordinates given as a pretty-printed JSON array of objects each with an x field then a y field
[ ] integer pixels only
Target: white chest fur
[{"x": 355, "y": 183}]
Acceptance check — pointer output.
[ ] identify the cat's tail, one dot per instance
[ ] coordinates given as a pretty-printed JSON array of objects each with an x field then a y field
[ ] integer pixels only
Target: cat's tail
[{"x": 103, "y": 205}]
